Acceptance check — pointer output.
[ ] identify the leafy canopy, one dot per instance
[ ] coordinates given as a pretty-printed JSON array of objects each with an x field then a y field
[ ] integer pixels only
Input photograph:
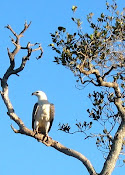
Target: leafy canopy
[
  {"x": 95, "y": 56},
  {"x": 103, "y": 49}
]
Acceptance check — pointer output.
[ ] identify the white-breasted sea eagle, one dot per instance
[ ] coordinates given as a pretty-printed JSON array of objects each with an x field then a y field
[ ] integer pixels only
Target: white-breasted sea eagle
[{"x": 43, "y": 114}]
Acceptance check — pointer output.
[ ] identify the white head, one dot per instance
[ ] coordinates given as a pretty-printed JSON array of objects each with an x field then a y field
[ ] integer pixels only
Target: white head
[{"x": 40, "y": 94}]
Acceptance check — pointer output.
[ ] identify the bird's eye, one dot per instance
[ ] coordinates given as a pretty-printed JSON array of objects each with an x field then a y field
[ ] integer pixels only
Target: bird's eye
[{"x": 37, "y": 92}]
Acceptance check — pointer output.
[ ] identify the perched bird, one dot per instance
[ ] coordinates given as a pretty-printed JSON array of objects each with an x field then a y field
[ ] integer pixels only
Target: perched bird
[{"x": 43, "y": 114}]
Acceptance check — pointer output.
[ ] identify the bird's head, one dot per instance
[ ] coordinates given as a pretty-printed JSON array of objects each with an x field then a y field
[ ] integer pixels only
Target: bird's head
[{"x": 40, "y": 94}]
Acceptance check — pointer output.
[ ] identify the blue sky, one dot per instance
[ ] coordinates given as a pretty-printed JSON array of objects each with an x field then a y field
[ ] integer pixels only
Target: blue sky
[{"x": 21, "y": 154}]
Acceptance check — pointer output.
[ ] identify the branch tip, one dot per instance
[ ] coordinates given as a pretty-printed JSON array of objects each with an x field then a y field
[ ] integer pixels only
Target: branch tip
[
  {"x": 40, "y": 48},
  {"x": 15, "y": 130},
  {"x": 17, "y": 74},
  {"x": 8, "y": 26},
  {"x": 27, "y": 25}
]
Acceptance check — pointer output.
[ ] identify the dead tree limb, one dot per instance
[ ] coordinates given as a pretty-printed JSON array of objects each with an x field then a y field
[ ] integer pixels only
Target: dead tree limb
[{"x": 10, "y": 110}]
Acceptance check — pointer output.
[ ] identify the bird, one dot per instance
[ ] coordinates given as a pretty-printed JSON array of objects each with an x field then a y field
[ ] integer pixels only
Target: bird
[{"x": 43, "y": 114}]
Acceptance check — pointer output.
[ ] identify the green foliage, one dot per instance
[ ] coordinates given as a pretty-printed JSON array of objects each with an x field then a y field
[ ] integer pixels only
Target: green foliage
[
  {"x": 103, "y": 51},
  {"x": 100, "y": 49},
  {"x": 74, "y": 8},
  {"x": 105, "y": 114},
  {"x": 62, "y": 29},
  {"x": 81, "y": 127}
]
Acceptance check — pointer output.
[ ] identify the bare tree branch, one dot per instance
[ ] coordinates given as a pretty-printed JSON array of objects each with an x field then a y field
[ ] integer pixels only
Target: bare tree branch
[
  {"x": 10, "y": 110},
  {"x": 26, "y": 26},
  {"x": 50, "y": 142},
  {"x": 55, "y": 144}
]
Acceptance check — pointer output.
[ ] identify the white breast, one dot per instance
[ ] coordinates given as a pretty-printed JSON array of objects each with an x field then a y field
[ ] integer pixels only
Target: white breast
[
  {"x": 42, "y": 121},
  {"x": 43, "y": 112}
]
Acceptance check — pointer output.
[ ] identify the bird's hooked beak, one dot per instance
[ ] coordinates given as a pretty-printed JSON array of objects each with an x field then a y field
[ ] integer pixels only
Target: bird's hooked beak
[{"x": 33, "y": 93}]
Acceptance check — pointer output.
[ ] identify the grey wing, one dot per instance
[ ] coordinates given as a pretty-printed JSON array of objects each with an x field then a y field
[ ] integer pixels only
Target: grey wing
[
  {"x": 35, "y": 110},
  {"x": 52, "y": 114}
]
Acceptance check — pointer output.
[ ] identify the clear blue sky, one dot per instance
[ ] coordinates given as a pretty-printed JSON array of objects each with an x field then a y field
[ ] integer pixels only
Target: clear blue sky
[{"x": 23, "y": 155}]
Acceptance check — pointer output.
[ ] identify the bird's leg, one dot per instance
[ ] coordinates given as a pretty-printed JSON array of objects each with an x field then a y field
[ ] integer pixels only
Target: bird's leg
[
  {"x": 36, "y": 130},
  {"x": 46, "y": 137}
]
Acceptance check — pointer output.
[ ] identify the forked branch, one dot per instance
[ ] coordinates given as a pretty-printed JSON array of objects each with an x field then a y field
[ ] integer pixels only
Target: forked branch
[
  {"x": 10, "y": 110},
  {"x": 117, "y": 142},
  {"x": 29, "y": 48}
]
